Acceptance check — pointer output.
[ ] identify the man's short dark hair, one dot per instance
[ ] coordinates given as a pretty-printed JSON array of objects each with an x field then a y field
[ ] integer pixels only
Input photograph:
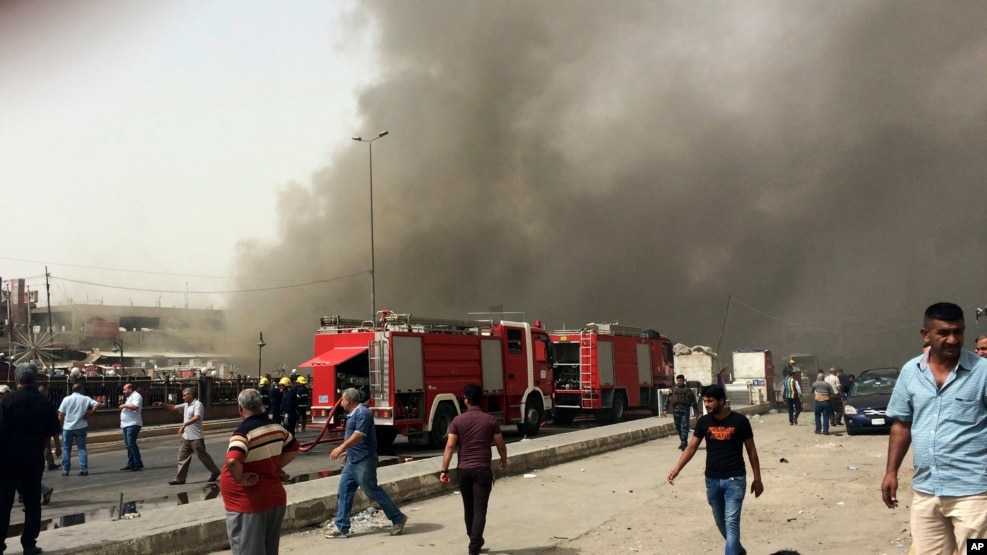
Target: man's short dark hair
[
  {"x": 26, "y": 374},
  {"x": 473, "y": 394},
  {"x": 945, "y": 312},
  {"x": 680, "y": 377},
  {"x": 715, "y": 392}
]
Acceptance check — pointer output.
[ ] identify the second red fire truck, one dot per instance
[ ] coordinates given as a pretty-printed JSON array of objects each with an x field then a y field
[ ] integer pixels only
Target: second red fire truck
[
  {"x": 412, "y": 372},
  {"x": 606, "y": 369}
]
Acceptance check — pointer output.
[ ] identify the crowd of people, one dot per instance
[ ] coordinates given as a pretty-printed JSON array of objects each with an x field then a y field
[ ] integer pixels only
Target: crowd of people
[{"x": 942, "y": 390}]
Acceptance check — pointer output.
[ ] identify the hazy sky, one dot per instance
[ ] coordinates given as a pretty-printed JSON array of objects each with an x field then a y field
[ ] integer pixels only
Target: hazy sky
[
  {"x": 821, "y": 162},
  {"x": 153, "y": 136}
]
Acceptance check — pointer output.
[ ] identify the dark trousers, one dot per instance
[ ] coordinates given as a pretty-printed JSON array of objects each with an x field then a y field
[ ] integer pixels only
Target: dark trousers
[
  {"x": 836, "y": 409},
  {"x": 25, "y": 479},
  {"x": 794, "y": 409},
  {"x": 292, "y": 420},
  {"x": 680, "y": 415},
  {"x": 475, "y": 485}
]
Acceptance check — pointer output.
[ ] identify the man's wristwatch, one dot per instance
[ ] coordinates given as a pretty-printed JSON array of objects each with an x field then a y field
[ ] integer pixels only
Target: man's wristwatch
[{"x": 443, "y": 472}]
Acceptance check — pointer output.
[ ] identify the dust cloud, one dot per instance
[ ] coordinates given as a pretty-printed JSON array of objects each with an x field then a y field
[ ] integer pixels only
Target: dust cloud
[{"x": 822, "y": 164}]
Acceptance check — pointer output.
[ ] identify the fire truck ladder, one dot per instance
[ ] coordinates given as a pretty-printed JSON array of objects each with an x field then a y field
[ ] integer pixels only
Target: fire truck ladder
[
  {"x": 587, "y": 393},
  {"x": 378, "y": 388},
  {"x": 407, "y": 322},
  {"x": 331, "y": 431}
]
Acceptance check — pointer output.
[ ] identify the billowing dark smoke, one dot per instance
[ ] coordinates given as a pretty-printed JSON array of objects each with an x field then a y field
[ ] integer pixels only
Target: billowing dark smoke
[{"x": 823, "y": 163}]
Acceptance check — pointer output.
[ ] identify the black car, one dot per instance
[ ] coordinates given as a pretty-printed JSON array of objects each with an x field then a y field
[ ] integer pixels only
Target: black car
[{"x": 866, "y": 405}]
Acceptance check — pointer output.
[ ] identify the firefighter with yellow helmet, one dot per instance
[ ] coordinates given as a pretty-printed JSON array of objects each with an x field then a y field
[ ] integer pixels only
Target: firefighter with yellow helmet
[
  {"x": 303, "y": 400},
  {"x": 264, "y": 388},
  {"x": 277, "y": 397},
  {"x": 289, "y": 405}
]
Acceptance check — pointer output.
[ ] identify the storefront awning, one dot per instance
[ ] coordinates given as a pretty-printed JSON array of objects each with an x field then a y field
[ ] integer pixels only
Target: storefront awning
[{"x": 333, "y": 357}]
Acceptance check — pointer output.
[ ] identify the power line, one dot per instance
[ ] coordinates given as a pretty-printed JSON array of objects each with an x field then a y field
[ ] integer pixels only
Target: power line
[
  {"x": 138, "y": 271},
  {"x": 217, "y": 292}
]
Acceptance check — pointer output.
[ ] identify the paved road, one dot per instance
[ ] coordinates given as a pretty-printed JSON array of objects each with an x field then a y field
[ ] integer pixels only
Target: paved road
[{"x": 79, "y": 499}]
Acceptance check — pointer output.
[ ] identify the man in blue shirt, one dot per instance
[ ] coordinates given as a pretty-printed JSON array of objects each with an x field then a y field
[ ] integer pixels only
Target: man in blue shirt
[
  {"x": 359, "y": 448},
  {"x": 939, "y": 407},
  {"x": 74, "y": 413}
]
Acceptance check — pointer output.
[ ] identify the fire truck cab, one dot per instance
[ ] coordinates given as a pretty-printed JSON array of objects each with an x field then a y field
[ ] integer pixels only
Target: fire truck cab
[{"x": 412, "y": 372}]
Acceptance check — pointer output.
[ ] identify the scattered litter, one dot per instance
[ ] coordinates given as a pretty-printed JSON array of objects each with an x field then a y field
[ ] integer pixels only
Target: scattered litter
[
  {"x": 559, "y": 538},
  {"x": 409, "y": 459},
  {"x": 841, "y": 503},
  {"x": 848, "y": 467},
  {"x": 792, "y": 519},
  {"x": 131, "y": 515},
  {"x": 783, "y": 460},
  {"x": 529, "y": 475},
  {"x": 582, "y": 470}
]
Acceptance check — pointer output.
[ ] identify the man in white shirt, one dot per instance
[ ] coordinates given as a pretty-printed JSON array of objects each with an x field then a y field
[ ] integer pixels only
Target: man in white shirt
[
  {"x": 73, "y": 413},
  {"x": 131, "y": 423},
  {"x": 835, "y": 400},
  {"x": 192, "y": 441}
]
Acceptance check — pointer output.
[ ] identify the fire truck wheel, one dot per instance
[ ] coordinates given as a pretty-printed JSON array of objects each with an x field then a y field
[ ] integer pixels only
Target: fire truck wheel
[
  {"x": 564, "y": 416},
  {"x": 440, "y": 426},
  {"x": 532, "y": 417},
  {"x": 618, "y": 408},
  {"x": 386, "y": 436}
]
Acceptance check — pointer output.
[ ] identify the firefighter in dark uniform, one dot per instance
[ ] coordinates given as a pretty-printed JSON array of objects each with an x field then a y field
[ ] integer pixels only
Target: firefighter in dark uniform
[
  {"x": 277, "y": 396},
  {"x": 681, "y": 398},
  {"x": 289, "y": 405},
  {"x": 303, "y": 400},
  {"x": 264, "y": 388}
]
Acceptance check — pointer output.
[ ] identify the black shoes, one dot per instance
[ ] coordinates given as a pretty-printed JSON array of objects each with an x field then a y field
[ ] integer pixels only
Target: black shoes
[
  {"x": 46, "y": 498},
  {"x": 32, "y": 550},
  {"x": 132, "y": 468},
  {"x": 84, "y": 473}
]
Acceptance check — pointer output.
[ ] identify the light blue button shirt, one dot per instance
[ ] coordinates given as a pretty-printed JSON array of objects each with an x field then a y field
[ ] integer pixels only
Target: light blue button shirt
[
  {"x": 74, "y": 407},
  {"x": 949, "y": 425}
]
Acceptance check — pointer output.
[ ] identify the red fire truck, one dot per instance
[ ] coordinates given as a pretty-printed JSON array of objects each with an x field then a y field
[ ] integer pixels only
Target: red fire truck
[
  {"x": 412, "y": 372},
  {"x": 606, "y": 369}
]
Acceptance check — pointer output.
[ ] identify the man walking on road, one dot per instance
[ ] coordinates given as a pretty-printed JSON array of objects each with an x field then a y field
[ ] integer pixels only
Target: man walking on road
[
  {"x": 74, "y": 413},
  {"x": 131, "y": 423},
  {"x": 681, "y": 398},
  {"x": 474, "y": 431},
  {"x": 253, "y": 495},
  {"x": 727, "y": 434},
  {"x": 822, "y": 391},
  {"x": 51, "y": 440},
  {"x": 26, "y": 419},
  {"x": 192, "y": 440},
  {"x": 938, "y": 407},
  {"x": 792, "y": 392},
  {"x": 359, "y": 448}
]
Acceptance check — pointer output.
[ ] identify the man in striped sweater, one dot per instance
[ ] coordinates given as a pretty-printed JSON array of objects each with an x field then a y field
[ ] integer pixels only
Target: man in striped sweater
[{"x": 253, "y": 495}]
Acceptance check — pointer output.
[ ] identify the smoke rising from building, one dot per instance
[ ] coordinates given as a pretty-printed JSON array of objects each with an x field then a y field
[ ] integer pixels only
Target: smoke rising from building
[{"x": 823, "y": 163}]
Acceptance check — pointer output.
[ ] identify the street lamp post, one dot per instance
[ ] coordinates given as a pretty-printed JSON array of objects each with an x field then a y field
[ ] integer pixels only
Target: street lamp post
[
  {"x": 260, "y": 347},
  {"x": 373, "y": 284},
  {"x": 118, "y": 346}
]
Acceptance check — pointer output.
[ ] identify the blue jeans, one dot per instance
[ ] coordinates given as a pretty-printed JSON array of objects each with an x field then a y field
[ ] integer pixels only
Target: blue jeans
[
  {"x": 726, "y": 498},
  {"x": 363, "y": 475},
  {"x": 79, "y": 437},
  {"x": 822, "y": 416},
  {"x": 130, "y": 442}
]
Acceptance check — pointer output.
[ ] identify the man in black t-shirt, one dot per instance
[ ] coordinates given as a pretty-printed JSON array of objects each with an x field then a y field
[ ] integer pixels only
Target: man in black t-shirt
[{"x": 727, "y": 434}]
